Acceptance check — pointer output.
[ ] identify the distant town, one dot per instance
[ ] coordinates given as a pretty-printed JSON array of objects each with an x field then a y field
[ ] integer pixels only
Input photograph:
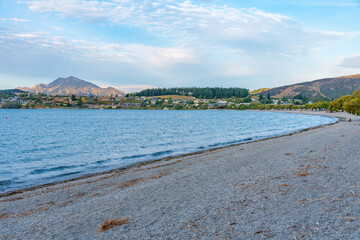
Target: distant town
[
  {"x": 73, "y": 93},
  {"x": 19, "y": 99}
]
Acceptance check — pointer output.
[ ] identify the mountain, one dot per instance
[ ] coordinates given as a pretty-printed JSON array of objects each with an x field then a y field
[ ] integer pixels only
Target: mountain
[
  {"x": 72, "y": 86},
  {"x": 328, "y": 87}
]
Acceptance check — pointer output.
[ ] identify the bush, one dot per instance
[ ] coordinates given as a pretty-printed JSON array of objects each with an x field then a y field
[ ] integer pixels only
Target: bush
[
  {"x": 11, "y": 105},
  {"x": 179, "y": 106}
]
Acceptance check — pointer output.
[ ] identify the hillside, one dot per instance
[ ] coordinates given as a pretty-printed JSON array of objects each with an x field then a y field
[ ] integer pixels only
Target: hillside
[
  {"x": 72, "y": 86},
  {"x": 328, "y": 87},
  {"x": 259, "y": 90}
]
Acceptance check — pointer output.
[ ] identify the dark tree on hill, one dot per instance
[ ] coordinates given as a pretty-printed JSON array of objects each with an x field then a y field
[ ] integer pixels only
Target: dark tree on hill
[
  {"x": 301, "y": 97},
  {"x": 80, "y": 102},
  {"x": 73, "y": 98}
]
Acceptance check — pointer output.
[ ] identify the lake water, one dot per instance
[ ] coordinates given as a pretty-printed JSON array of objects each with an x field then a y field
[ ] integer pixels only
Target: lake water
[{"x": 42, "y": 146}]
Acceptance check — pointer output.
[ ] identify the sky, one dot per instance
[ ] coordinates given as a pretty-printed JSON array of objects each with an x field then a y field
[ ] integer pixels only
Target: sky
[{"x": 132, "y": 44}]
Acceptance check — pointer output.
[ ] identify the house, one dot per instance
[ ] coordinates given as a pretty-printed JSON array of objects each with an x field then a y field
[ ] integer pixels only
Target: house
[
  {"x": 275, "y": 101},
  {"x": 154, "y": 100},
  {"x": 92, "y": 106},
  {"x": 221, "y": 102},
  {"x": 23, "y": 101},
  {"x": 14, "y": 99},
  {"x": 254, "y": 98},
  {"x": 131, "y": 105}
]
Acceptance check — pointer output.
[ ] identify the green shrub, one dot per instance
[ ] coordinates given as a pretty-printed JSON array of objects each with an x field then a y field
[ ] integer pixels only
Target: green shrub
[{"x": 11, "y": 105}]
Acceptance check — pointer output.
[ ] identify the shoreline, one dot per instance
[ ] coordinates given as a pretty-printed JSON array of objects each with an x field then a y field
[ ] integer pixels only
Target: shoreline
[
  {"x": 297, "y": 186},
  {"x": 122, "y": 169}
]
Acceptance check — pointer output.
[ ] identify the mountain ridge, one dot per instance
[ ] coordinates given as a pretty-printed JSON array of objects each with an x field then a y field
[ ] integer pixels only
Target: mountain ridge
[
  {"x": 72, "y": 86},
  {"x": 325, "y": 88}
]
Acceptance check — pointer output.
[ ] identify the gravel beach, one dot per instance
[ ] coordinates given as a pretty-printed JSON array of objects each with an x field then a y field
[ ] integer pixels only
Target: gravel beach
[{"x": 304, "y": 185}]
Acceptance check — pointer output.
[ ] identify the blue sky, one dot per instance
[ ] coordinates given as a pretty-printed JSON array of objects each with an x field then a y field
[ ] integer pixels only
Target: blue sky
[{"x": 133, "y": 44}]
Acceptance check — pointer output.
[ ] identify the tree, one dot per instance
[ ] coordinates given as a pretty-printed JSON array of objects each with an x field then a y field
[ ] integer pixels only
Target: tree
[
  {"x": 80, "y": 102},
  {"x": 356, "y": 94},
  {"x": 73, "y": 98},
  {"x": 352, "y": 106},
  {"x": 204, "y": 106},
  {"x": 11, "y": 105},
  {"x": 179, "y": 106},
  {"x": 268, "y": 96},
  {"x": 337, "y": 104}
]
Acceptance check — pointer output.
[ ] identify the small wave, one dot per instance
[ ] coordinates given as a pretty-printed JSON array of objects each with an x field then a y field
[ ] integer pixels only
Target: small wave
[
  {"x": 156, "y": 154},
  {"x": 5, "y": 182},
  {"x": 229, "y": 142},
  {"x": 161, "y": 153},
  {"x": 59, "y": 168},
  {"x": 102, "y": 161},
  {"x": 135, "y": 156},
  {"x": 66, "y": 174}
]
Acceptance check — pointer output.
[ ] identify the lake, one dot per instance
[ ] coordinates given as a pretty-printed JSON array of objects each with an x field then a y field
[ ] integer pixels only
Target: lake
[{"x": 49, "y": 145}]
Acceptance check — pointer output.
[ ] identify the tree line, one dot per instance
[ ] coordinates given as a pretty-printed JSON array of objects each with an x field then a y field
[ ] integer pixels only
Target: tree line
[
  {"x": 6, "y": 94},
  {"x": 348, "y": 103},
  {"x": 206, "y": 93}
]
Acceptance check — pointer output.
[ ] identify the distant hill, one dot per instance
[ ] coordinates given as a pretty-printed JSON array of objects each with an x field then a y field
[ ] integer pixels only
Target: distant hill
[
  {"x": 72, "y": 86},
  {"x": 328, "y": 88}
]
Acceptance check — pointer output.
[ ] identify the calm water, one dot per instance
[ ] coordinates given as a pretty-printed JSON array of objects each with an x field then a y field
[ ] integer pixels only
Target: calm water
[{"x": 42, "y": 146}]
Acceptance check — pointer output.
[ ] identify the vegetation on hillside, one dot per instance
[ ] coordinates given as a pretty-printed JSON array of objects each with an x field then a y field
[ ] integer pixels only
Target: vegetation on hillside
[
  {"x": 258, "y": 91},
  {"x": 205, "y": 93},
  {"x": 327, "y": 88},
  {"x": 11, "y": 105},
  {"x": 6, "y": 94}
]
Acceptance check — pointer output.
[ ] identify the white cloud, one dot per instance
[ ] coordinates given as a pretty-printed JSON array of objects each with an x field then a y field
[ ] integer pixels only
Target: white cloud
[
  {"x": 350, "y": 62},
  {"x": 18, "y": 20},
  {"x": 203, "y": 24},
  {"x": 25, "y": 35},
  {"x": 99, "y": 51},
  {"x": 202, "y": 44}
]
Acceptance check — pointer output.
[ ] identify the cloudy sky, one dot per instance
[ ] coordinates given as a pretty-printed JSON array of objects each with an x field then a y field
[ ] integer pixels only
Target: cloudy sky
[{"x": 132, "y": 44}]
